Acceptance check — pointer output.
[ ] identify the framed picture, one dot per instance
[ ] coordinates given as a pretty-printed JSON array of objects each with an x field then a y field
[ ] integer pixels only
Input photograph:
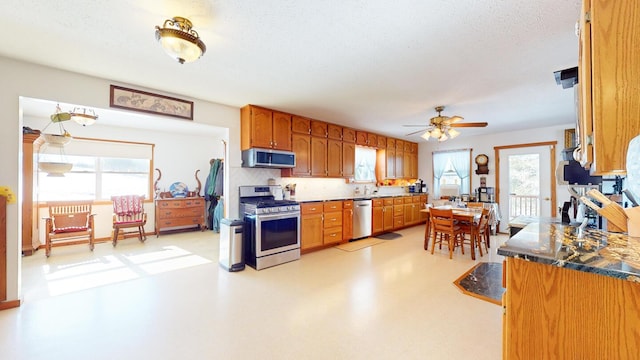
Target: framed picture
[
  {"x": 569, "y": 138},
  {"x": 147, "y": 102}
]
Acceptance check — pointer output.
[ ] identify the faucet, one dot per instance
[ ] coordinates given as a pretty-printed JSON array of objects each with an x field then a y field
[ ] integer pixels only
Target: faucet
[{"x": 367, "y": 190}]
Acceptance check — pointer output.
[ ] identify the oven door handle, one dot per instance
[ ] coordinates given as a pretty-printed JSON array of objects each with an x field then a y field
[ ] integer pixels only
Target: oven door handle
[{"x": 263, "y": 217}]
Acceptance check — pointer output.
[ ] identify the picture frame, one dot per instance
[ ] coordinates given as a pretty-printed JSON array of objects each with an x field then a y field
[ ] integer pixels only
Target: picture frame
[
  {"x": 150, "y": 103},
  {"x": 569, "y": 138}
]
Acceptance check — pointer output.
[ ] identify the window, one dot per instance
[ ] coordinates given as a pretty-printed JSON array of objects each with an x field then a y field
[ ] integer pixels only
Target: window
[
  {"x": 451, "y": 173},
  {"x": 365, "y": 164},
  {"x": 100, "y": 169}
]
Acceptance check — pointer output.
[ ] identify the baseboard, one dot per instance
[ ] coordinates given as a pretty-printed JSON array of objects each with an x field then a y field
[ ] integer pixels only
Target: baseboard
[{"x": 4, "y": 305}]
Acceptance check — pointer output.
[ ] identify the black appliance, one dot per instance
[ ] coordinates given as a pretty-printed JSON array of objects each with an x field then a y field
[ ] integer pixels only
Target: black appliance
[
  {"x": 486, "y": 194},
  {"x": 271, "y": 232}
]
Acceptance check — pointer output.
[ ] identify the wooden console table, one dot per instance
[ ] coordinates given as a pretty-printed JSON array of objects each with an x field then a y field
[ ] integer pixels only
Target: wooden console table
[{"x": 180, "y": 213}]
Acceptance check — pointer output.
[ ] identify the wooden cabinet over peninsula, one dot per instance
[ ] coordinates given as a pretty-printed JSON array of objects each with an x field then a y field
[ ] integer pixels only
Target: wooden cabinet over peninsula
[
  {"x": 180, "y": 213},
  {"x": 571, "y": 298}
]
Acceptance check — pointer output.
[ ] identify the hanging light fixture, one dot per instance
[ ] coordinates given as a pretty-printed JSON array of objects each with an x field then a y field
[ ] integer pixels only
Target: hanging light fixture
[
  {"x": 56, "y": 141},
  {"x": 179, "y": 40},
  {"x": 84, "y": 118}
]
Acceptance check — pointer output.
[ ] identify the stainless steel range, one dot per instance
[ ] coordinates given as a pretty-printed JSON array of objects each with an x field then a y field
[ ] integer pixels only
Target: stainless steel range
[{"x": 271, "y": 234}]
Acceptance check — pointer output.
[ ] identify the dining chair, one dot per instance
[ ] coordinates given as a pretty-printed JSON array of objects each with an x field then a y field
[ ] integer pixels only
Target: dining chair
[
  {"x": 444, "y": 228},
  {"x": 128, "y": 212},
  {"x": 480, "y": 233}
]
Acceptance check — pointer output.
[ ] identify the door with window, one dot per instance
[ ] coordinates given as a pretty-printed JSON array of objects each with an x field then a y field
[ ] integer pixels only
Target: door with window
[{"x": 525, "y": 186}]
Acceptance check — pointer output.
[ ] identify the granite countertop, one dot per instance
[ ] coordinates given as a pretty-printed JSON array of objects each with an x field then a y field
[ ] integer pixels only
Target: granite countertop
[
  {"x": 598, "y": 252},
  {"x": 354, "y": 197}
]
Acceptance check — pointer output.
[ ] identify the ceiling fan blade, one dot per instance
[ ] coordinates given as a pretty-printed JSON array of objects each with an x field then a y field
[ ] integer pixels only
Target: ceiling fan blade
[
  {"x": 473, "y": 124},
  {"x": 416, "y": 132},
  {"x": 414, "y": 125}
]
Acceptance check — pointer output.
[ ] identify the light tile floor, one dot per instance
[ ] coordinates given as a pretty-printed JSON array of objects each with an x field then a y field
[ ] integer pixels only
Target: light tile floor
[{"x": 170, "y": 299}]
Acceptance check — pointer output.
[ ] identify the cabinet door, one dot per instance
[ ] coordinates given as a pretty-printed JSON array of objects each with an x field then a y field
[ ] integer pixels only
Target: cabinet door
[
  {"x": 318, "y": 128},
  {"x": 300, "y": 125},
  {"x": 281, "y": 131},
  {"x": 311, "y": 234},
  {"x": 377, "y": 219},
  {"x": 347, "y": 220},
  {"x": 348, "y": 159},
  {"x": 391, "y": 162},
  {"x": 406, "y": 165},
  {"x": 261, "y": 127},
  {"x": 388, "y": 218},
  {"x": 318, "y": 156},
  {"x": 399, "y": 166},
  {"x": 382, "y": 142},
  {"x": 334, "y": 158},
  {"x": 301, "y": 145},
  {"x": 408, "y": 214},
  {"x": 362, "y": 138},
  {"x": 348, "y": 135},
  {"x": 334, "y": 132},
  {"x": 391, "y": 143},
  {"x": 372, "y": 139}
]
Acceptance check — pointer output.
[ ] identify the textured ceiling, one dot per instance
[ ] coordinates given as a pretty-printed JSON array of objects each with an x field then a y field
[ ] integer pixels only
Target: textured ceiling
[{"x": 371, "y": 64}]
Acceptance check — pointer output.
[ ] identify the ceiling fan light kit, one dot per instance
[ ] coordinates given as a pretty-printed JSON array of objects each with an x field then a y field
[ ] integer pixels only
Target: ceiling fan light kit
[
  {"x": 442, "y": 127},
  {"x": 179, "y": 40}
]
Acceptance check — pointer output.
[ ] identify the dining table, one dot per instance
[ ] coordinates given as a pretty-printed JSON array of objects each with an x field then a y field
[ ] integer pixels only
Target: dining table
[{"x": 470, "y": 215}]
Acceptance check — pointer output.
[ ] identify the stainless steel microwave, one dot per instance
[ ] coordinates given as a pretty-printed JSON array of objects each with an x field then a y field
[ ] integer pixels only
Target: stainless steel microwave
[{"x": 269, "y": 158}]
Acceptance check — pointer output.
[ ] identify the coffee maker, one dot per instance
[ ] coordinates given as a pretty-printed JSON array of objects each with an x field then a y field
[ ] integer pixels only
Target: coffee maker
[{"x": 486, "y": 194}]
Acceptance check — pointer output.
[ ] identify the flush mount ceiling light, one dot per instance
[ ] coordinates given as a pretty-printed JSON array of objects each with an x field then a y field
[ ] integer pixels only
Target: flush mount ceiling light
[{"x": 179, "y": 40}]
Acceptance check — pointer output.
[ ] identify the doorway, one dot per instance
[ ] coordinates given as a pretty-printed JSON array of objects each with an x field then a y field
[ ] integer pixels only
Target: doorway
[{"x": 525, "y": 181}]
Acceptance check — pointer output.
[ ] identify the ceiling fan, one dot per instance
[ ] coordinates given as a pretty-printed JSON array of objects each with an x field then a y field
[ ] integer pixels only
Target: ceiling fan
[{"x": 442, "y": 127}]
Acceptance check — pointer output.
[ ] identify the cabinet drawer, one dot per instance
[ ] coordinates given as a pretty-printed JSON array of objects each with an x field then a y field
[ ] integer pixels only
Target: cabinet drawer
[
  {"x": 416, "y": 199},
  {"x": 162, "y": 223},
  {"x": 182, "y": 203},
  {"x": 332, "y": 235},
  {"x": 180, "y": 213},
  {"x": 311, "y": 208},
  {"x": 398, "y": 221},
  {"x": 408, "y": 200},
  {"x": 398, "y": 201},
  {"x": 347, "y": 204},
  {"x": 332, "y": 219},
  {"x": 388, "y": 201},
  {"x": 398, "y": 210},
  {"x": 332, "y": 206},
  {"x": 377, "y": 202}
]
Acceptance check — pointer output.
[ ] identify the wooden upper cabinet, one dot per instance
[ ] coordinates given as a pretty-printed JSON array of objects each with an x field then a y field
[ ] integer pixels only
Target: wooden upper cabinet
[
  {"x": 399, "y": 146},
  {"x": 362, "y": 138},
  {"x": 334, "y": 132},
  {"x": 318, "y": 156},
  {"x": 281, "y": 136},
  {"x": 382, "y": 142},
  {"x": 407, "y": 146},
  {"x": 609, "y": 60},
  {"x": 348, "y": 135},
  {"x": 318, "y": 128},
  {"x": 259, "y": 129},
  {"x": 301, "y": 145},
  {"x": 391, "y": 143},
  {"x": 334, "y": 158},
  {"x": 372, "y": 139},
  {"x": 348, "y": 159},
  {"x": 300, "y": 125}
]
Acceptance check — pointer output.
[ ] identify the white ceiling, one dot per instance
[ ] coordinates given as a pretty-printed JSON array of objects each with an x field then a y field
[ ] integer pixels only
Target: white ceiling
[{"x": 369, "y": 64}]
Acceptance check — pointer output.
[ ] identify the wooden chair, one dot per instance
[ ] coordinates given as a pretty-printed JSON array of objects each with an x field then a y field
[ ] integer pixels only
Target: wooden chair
[
  {"x": 479, "y": 234},
  {"x": 69, "y": 223},
  {"x": 475, "y": 205},
  {"x": 445, "y": 229},
  {"x": 128, "y": 212}
]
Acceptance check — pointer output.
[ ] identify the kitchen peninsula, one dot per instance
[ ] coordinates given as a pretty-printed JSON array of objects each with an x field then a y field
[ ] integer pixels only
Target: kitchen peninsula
[{"x": 571, "y": 297}]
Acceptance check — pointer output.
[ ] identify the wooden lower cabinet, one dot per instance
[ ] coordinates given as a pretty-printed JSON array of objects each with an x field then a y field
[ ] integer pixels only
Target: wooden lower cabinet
[
  {"x": 311, "y": 234},
  {"x": 180, "y": 213},
  {"x": 387, "y": 216},
  {"x": 377, "y": 216},
  {"x": 557, "y": 313},
  {"x": 332, "y": 222},
  {"x": 347, "y": 220},
  {"x": 398, "y": 213}
]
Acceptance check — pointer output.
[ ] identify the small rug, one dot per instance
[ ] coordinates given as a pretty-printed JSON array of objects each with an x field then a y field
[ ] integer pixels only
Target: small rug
[
  {"x": 483, "y": 281},
  {"x": 358, "y": 244},
  {"x": 388, "y": 236}
]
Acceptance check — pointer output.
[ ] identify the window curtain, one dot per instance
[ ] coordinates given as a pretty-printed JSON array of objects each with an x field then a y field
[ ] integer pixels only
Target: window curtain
[
  {"x": 461, "y": 161},
  {"x": 439, "y": 165}
]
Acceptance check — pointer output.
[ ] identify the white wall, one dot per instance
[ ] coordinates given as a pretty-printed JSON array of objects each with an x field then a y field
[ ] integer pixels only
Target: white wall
[
  {"x": 22, "y": 79},
  {"x": 485, "y": 145}
]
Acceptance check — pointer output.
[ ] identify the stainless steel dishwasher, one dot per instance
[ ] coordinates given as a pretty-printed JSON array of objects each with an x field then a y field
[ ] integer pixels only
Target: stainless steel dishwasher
[{"x": 362, "y": 211}]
